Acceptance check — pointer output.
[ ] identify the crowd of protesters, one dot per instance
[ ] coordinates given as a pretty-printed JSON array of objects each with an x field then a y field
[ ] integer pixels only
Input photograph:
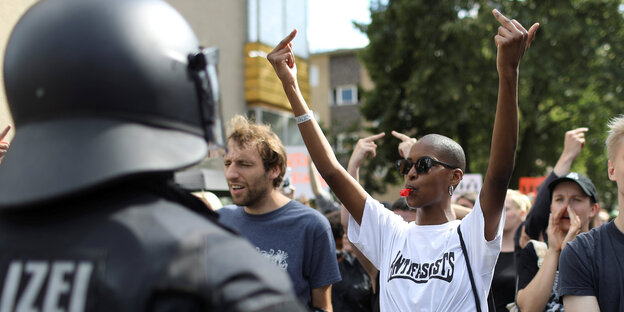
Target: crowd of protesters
[{"x": 143, "y": 243}]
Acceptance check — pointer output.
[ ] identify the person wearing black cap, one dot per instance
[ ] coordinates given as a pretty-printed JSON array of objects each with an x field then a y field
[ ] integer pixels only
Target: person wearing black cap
[
  {"x": 591, "y": 266},
  {"x": 109, "y": 98},
  {"x": 574, "y": 203}
]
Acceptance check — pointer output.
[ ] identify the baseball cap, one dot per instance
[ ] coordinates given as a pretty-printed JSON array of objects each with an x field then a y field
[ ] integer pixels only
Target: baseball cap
[{"x": 584, "y": 182}]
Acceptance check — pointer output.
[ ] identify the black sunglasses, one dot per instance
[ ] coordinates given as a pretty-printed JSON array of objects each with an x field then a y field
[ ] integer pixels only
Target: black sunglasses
[{"x": 423, "y": 165}]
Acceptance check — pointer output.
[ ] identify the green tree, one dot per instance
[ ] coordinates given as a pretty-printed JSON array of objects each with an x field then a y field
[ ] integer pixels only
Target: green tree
[{"x": 434, "y": 68}]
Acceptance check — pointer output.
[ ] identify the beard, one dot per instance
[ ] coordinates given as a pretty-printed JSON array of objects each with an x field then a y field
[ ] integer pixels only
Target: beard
[{"x": 254, "y": 194}]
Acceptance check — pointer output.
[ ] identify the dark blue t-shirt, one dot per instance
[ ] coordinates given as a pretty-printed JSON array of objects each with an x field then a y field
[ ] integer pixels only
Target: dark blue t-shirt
[
  {"x": 593, "y": 265},
  {"x": 297, "y": 238}
]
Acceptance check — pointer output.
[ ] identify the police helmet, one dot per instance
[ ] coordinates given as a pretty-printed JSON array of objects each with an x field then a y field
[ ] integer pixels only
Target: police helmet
[{"x": 100, "y": 90}]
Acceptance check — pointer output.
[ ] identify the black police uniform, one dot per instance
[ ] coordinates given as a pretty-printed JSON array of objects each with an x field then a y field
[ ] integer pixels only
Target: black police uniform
[
  {"x": 109, "y": 98},
  {"x": 129, "y": 248}
]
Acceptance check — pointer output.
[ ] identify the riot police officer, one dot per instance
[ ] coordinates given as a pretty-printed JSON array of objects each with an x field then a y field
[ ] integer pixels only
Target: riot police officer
[{"x": 109, "y": 98}]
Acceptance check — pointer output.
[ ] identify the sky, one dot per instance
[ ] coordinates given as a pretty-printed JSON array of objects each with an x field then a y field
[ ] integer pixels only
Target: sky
[{"x": 330, "y": 24}]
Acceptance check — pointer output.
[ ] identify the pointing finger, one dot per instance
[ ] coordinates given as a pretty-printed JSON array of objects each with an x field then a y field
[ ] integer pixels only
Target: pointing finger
[
  {"x": 5, "y": 132},
  {"x": 400, "y": 136},
  {"x": 375, "y": 137},
  {"x": 502, "y": 19},
  {"x": 519, "y": 26},
  {"x": 532, "y": 31},
  {"x": 288, "y": 39}
]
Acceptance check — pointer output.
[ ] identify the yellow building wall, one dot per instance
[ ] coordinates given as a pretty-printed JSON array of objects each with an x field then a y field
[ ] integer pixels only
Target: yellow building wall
[
  {"x": 262, "y": 87},
  {"x": 319, "y": 93}
]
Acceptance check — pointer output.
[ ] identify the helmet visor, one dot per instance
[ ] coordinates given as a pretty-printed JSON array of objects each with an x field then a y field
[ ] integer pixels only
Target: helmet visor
[{"x": 204, "y": 64}]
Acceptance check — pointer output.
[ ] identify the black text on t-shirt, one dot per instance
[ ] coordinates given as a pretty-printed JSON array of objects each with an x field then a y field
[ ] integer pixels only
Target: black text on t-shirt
[{"x": 405, "y": 268}]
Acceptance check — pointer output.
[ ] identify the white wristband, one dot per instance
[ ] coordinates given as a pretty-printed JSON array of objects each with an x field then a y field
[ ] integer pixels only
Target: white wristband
[{"x": 305, "y": 117}]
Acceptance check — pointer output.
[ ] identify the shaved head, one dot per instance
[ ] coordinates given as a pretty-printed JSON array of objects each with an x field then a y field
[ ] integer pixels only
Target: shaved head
[{"x": 446, "y": 149}]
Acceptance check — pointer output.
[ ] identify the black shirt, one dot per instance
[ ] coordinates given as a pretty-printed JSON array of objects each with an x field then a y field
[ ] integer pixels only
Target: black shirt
[
  {"x": 592, "y": 265},
  {"x": 504, "y": 281},
  {"x": 354, "y": 292}
]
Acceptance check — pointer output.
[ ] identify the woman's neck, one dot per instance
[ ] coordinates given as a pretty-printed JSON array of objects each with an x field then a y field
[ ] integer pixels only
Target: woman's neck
[{"x": 508, "y": 241}]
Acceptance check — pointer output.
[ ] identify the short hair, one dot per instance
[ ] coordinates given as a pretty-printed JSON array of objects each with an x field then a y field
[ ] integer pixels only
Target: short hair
[
  {"x": 447, "y": 149},
  {"x": 270, "y": 147},
  {"x": 400, "y": 204},
  {"x": 616, "y": 133},
  {"x": 334, "y": 222},
  {"x": 523, "y": 201}
]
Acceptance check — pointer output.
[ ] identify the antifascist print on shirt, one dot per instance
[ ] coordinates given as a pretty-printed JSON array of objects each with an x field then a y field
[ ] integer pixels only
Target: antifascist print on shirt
[
  {"x": 278, "y": 257},
  {"x": 406, "y": 268}
]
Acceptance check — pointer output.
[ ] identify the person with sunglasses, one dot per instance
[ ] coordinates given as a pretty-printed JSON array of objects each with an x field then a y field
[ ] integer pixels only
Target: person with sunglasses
[{"x": 422, "y": 264}]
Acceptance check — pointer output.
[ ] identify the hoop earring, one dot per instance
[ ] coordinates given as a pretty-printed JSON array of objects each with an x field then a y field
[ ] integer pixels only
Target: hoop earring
[{"x": 450, "y": 189}]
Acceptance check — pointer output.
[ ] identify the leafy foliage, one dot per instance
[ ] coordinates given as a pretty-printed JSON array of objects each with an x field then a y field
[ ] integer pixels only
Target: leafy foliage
[{"x": 434, "y": 68}]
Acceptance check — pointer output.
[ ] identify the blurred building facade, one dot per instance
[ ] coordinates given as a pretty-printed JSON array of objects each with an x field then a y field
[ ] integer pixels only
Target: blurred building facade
[
  {"x": 337, "y": 83},
  {"x": 245, "y": 31}
]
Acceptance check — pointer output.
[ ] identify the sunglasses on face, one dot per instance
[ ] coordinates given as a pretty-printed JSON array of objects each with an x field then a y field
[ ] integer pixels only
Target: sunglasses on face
[{"x": 423, "y": 165}]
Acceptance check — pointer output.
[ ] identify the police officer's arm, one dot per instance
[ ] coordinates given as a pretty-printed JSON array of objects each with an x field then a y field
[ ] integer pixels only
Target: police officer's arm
[
  {"x": 347, "y": 189},
  {"x": 512, "y": 41},
  {"x": 225, "y": 273},
  {"x": 321, "y": 298}
]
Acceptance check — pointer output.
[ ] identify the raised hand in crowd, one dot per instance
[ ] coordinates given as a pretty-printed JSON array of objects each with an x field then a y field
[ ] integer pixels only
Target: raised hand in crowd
[
  {"x": 512, "y": 41},
  {"x": 363, "y": 147},
  {"x": 572, "y": 146},
  {"x": 406, "y": 143},
  {"x": 439, "y": 159},
  {"x": 537, "y": 219}
]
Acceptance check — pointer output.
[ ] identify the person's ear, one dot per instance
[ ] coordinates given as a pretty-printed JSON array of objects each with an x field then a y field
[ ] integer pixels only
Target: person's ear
[
  {"x": 594, "y": 211},
  {"x": 274, "y": 172},
  {"x": 611, "y": 170},
  {"x": 457, "y": 176}
]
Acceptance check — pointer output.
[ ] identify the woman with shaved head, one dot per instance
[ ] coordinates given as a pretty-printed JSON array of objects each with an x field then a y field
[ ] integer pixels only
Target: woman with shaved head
[{"x": 436, "y": 263}]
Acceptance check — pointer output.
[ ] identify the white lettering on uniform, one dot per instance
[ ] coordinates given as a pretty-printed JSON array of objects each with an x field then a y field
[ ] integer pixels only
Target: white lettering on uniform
[
  {"x": 57, "y": 285},
  {"x": 34, "y": 275},
  {"x": 9, "y": 290},
  {"x": 38, "y": 271},
  {"x": 81, "y": 283}
]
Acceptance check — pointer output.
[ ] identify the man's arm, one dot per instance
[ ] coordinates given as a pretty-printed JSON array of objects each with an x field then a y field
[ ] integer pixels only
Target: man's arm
[
  {"x": 365, "y": 146},
  {"x": 572, "y": 146},
  {"x": 460, "y": 211},
  {"x": 321, "y": 298},
  {"x": 580, "y": 304},
  {"x": 512, "y": 41},
  {"x": 535, "y": 295},
  {"x": 315, "y": 183},
  {"x": 348, "y": 191}
]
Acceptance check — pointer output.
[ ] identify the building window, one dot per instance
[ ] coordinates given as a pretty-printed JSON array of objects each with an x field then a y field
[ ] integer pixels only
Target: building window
[
  {"x": 346, "y": 95},
  {"x": 283, "y": 124}
]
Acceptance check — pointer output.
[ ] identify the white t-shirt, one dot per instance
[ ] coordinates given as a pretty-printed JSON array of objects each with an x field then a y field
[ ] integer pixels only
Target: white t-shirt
[{"x": 422, "y": 267}]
